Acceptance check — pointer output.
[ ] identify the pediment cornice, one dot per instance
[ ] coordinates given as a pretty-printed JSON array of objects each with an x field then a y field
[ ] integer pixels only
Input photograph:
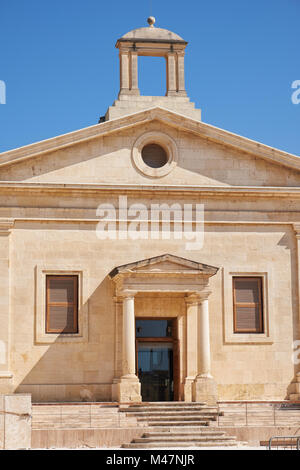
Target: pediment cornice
[
  {"x": 164, "y": 265},
  {"x": 162, "y": 274},
  {"x": 168, "y": 117}
]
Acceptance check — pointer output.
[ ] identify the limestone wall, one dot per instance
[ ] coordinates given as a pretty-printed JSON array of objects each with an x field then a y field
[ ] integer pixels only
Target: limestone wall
[
  {"x": 83, "y": 368},
  {"x": 51, "y": 228},
  {"x": 15, "y": 421}
]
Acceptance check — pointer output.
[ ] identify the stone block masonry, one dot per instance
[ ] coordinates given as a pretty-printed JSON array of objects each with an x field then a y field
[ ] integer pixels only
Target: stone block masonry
[{"x": 15, "y": 421}]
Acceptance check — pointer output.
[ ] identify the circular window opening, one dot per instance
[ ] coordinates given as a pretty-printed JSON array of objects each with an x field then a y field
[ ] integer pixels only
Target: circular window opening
[{"x": 154, "y": 156}]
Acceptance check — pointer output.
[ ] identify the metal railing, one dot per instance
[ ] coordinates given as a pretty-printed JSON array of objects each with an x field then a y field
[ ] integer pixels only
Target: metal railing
[{"x": 285, "y": 442}]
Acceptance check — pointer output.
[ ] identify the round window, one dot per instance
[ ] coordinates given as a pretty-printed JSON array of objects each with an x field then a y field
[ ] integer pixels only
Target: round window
[{"x": 154, "y": 156}]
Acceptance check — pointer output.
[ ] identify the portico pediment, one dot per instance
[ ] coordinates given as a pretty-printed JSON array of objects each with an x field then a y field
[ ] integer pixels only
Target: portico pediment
[{"x": 165, "y": 273}]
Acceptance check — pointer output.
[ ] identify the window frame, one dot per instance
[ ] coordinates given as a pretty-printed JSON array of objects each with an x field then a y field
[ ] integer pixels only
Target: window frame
[
  {"x": 260, "y": 304},
  {"x": 229, "y": 336},
  {"x": 40, "y": 273},
  {"x": 163, "y": 140},
  {"x": 48, "y": 305}
]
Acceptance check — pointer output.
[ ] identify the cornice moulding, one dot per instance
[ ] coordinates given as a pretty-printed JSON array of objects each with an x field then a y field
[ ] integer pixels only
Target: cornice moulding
[{"x": 248, "y": 191}]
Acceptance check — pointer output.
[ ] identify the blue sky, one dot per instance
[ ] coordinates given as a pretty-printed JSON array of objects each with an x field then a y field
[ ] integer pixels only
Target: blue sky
[{"x": 60, "y": 65}]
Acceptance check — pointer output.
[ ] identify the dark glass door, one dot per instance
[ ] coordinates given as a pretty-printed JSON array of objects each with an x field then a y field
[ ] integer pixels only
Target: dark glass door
[{"x": 155, "y": 370}]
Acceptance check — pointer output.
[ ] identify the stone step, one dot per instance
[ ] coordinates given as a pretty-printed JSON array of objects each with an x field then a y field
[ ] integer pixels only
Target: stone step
[
  {"x": 174, "y": 417},
  {"x": 196, "y": 429},
  {"x": 168, "y": 403},
  {"x": 186, "y": 439},
  {"x": 171, "y": 413},
  {"x": 167, "y": 409},
  {"x": 182, "y": 433},
  {"x": 179, "y": 444},
  {"x": 178, "y": 423}
]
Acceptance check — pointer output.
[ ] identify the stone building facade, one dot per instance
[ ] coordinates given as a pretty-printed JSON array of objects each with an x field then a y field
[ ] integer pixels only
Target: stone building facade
[{"x": 98, "y": 315}]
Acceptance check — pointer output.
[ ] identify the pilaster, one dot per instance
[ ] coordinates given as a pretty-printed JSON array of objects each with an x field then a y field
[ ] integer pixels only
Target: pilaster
[
  {"x": 204, "y": 386},
  {"x": 192, "y": 305},
  {"x": 6, "y": 226},
  {"x": 295, "y": 386}
]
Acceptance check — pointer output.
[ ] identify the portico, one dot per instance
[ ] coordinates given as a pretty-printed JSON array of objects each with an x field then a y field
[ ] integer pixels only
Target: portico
[{"x": 167, "y": 276}]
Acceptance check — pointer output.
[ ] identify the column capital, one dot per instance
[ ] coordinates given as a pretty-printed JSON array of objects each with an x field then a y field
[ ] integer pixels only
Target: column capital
[
  {"x": 124, "y": 51},
  {"x": 126, "y": 295},
  {"x": 205, "y": 294},
  {"x": 192, "y": 299},
  {"x": 197, "y": 297},
  {"x": 296, "y": 228}
]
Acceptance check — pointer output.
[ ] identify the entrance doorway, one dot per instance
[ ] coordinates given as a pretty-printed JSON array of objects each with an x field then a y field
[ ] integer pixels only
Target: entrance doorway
[{"x": 157, "y": 358}]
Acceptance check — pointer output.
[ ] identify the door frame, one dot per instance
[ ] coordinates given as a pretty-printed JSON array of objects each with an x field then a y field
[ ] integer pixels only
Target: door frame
[{"x": 168, "y": 339}]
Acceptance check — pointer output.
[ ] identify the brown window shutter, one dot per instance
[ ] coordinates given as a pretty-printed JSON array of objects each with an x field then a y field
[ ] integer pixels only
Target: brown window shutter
[
  {"x": 62, "y": 304},
  {"x": 247, "y": 305}
]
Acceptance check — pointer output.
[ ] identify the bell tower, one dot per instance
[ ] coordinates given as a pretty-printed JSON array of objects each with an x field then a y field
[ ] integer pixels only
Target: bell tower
[{"x": 152, "y": 42}]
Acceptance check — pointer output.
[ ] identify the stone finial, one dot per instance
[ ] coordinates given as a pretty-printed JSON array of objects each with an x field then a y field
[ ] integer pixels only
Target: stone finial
[{"x": 151, "y": 21}]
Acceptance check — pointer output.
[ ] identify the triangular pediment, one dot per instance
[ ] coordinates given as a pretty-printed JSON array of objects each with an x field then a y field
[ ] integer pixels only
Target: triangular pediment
[
  {"x": 102, "y": 154},
  {"x": 171, "y": 118},
  {"x": 164, "y": 264}
]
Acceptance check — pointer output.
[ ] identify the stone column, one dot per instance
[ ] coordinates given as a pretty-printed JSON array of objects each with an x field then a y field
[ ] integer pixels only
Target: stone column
[
  {"x": 204, "y": 389},
  {"x": 192, "y": 304},
  {"x": 171, "y": 74},
  {"x": 180, "y": 73},
  {"x": 124, "y": 73},
  {"x": 5, "y": 375},
  {"x": 134, "y": 87},
  {"x": 128, "y": 336},
  {"x": 118, "y": 347},
  {"x": 129, "y": 386}
]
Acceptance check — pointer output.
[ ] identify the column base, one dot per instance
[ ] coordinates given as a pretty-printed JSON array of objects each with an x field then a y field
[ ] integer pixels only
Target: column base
[
  {"x": 176, "y": 93},
  {"x": 127, "y": 92},
  {"x": 205, "y": 390},
  {"x": 188, "y": 389},
  {"x": 129, "y": 389}
]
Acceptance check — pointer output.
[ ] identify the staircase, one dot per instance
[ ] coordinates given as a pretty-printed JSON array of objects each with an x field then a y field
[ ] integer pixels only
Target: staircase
[{"x": 176, "y": 424}]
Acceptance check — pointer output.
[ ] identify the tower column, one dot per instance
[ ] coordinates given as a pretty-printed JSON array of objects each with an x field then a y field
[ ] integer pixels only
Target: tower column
[
  {"x": 134, "y": 87},
  {"x": 124, "y": 72},
  {"x": 180, "y": 74},
  {"x": 171, "y": 74}
]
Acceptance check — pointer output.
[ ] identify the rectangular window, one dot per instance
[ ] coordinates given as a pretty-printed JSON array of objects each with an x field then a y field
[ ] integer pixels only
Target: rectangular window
[
  {"x": 248, "y": 305},
  {"x": 62, "y": 304}
]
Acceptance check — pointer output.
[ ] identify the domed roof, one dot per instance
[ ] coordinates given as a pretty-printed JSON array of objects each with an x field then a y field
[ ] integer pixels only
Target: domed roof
[{"x": 152, "y": 33}]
